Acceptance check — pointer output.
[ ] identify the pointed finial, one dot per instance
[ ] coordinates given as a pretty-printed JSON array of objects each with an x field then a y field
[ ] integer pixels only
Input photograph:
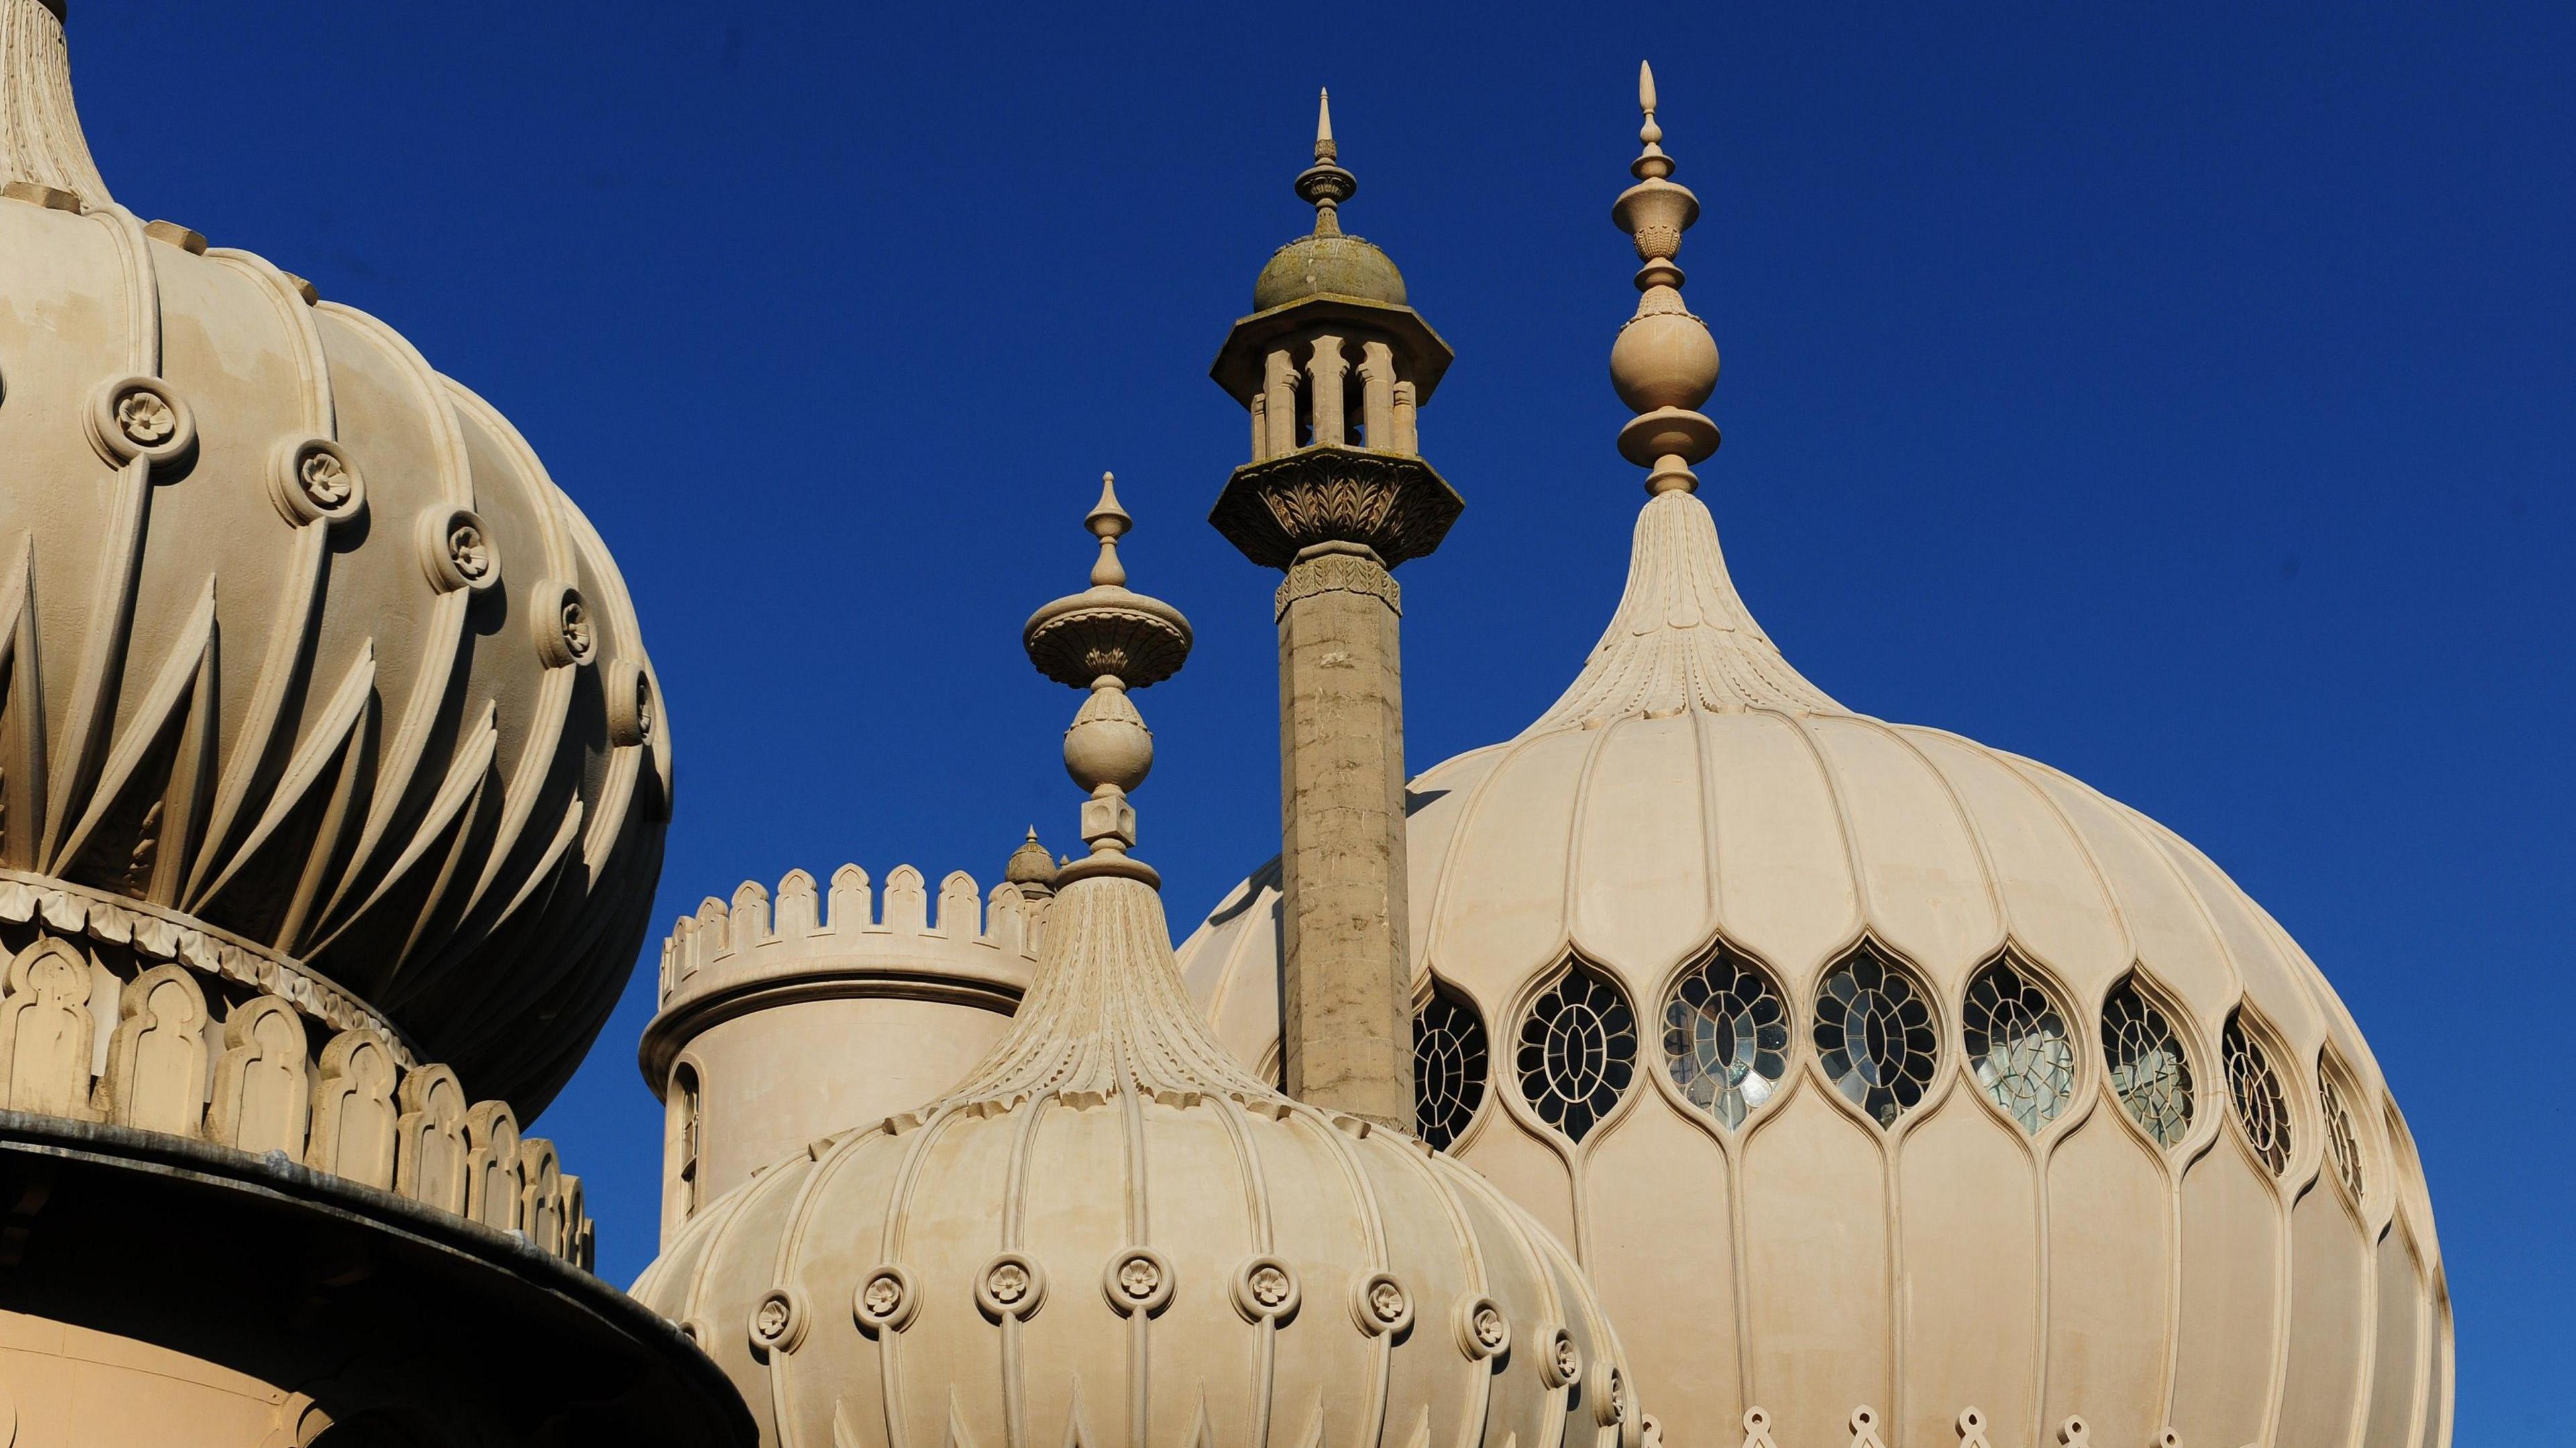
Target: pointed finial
[
  {"x": 1664, "y": 363},
  {"x": 1107, "y": 640},
  {"x": 1325, "y": 185},
  {"x": 1108, "y": 522}
]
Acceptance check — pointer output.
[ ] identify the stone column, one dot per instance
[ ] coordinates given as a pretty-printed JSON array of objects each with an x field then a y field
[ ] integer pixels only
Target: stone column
[
  {"x": 1348, "y": 1019},
  {"x": 1377, "y": 395},
  {"x": 1325, "y": 371},
  {"x": 1279, "y": 401}
]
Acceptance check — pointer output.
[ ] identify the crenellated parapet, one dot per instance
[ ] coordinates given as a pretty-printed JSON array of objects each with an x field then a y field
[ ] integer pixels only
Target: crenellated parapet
[
  {"x": 91, "y": 1033},
  {"x": 791, "y": 1013},
  {"x": 962, "y": 940}
]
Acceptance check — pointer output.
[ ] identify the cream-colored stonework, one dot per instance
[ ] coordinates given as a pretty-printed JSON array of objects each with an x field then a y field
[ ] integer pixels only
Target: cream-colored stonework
[
  {"x": 1111, "y": 1231},
  {"x": 786, "y": 1019},
  {"x": 1692, "y": 804}
]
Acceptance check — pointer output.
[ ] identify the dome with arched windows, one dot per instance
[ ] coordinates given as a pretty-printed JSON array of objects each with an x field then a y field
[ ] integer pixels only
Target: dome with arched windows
[{"x": 1948, "y": 1081}]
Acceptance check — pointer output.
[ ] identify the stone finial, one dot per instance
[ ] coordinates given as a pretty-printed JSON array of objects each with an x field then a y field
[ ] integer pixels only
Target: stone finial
[
  {"x": 1108, "y": 640},
  {"x": 1664, "y": 364},
  {"x": 1325, "y": 185}
]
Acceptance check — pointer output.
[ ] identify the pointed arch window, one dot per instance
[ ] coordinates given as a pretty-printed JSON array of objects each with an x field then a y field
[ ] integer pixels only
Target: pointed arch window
[
  {"x": 1449, "y": 1065},
  {"x": 2016, "y": 1041},
  {"x": 1577, "y": 1052},
  {"x": 686, "y": 1125},
  {"x": 2254, "y": 1089},
  {"x": 2148, "y": 1068},
  {"x": 1875, "y": 1035},
  {"x": 1726, "y": 1036},
  {"x": 2343, "y": 1145}
]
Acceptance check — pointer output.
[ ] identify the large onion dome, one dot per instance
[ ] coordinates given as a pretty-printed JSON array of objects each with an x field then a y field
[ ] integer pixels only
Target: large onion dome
[
  {"x": 1112, "y": 1232},
  {"x": 314, "y": 680},
  {"x": 1868, "y": 1065}
]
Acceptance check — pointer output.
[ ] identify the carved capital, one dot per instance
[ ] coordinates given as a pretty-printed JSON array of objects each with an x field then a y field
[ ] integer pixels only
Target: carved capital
[
  {"x": 1338, "y": 573},
  {"x": 1391, "y": 503}
]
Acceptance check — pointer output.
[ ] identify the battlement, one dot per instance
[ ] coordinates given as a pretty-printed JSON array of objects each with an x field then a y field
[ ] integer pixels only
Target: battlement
[{"x": 800, "y": 944}]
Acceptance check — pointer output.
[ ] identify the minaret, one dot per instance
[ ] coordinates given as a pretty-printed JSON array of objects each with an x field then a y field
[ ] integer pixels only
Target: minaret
[{"x": 1332, "y": 365}]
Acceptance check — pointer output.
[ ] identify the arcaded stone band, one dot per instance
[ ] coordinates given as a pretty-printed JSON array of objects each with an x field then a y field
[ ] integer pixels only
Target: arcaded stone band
[{"x": 1338, "y": 573}]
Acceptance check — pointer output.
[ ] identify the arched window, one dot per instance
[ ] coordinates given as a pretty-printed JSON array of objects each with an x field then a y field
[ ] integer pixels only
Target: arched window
[
  {"x": 1449, "y": 1062},
  {"x": 2342, "y": 1146},
  {"x": 1726, "y": 1036},
  {"x": 2255, "y": 1089},
  {"x": 2147, "y": 1067},
  {"x": 1875, "y": 1035},
  {"x": 1578, "y": 1051},
  {"x": 686, "y": 1126},
  {"x": 2016, "y": 1042}
]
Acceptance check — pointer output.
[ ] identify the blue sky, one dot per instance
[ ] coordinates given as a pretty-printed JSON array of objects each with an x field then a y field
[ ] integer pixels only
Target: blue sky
[{"x": 2182, "y": 396}]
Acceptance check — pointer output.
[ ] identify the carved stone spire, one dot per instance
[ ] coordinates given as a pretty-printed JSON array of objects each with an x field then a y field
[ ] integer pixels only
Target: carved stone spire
[
  {"x": 1682, "y": 638},
  {"x": 1108, "y": 640},
  {"x": 1325, "y": 185},
  {"x": 1664, "y": 363},
  {"x": 41, "y": 147}
]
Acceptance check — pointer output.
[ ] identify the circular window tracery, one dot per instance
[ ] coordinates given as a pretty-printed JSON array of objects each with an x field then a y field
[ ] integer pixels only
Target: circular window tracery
[
  {"x": 1726, "y": 1037},
  {"x": 1578, "y": 1052},
  {"x": 2255, "y": 1090},
  {"x": 2148, "y": 1070},
  {"x": 2341, "y": 1143},
  {"x": 1875, "y": 1035},
  {"x": 1449, "y": 1061},
  {"x": 2016, "y": 1042}
]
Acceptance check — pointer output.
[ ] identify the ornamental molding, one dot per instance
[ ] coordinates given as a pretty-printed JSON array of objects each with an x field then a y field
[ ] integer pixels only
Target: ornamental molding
[
  {"x": 1337, "y": 573},
  {"x": 153, "y": 932},
  {"x": 1392, "y": 503}
]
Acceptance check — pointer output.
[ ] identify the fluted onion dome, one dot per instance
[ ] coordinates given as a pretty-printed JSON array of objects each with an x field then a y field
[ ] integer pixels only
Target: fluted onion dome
[
  {"x": 314, "y": 679},
  {"x": 1111, "y": 1232},
  {"x": 1942, "y": 1079}
]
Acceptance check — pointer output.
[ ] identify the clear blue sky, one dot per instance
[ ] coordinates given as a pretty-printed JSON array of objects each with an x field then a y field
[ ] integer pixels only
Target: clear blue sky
[{"x": 2182, "y": 396}]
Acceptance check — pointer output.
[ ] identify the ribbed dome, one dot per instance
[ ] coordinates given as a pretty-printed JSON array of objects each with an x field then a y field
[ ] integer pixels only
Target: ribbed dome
[
  {"x": 1335, "y": 265},
  {"x": 1138, "y": 1242},
  {"x": 314, "y": 676},
  {"x": 2025, "y": 1203}
]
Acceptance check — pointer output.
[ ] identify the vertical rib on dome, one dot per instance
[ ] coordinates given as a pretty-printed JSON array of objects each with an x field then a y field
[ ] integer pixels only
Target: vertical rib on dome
[
  {"x": 40, "y": 130},
  {"x": 1682, "y": 638}
]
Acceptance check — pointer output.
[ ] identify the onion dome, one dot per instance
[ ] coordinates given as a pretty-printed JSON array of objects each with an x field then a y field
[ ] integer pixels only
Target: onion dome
[
  {"x": 1942, "y": 1080},
  {"x": 1031, "y": 867},
  {"x": 315, "y": 682},
  {"x": 1327, "y": 262},
  {"x": 1112, "y": 1232}
]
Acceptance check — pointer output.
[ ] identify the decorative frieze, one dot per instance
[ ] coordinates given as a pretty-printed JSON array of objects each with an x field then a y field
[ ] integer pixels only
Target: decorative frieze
[
  {"x": 358, "y": 1112},
  {"x": 1337, "y": 573},
  {"x": 1397, "y": 506}
]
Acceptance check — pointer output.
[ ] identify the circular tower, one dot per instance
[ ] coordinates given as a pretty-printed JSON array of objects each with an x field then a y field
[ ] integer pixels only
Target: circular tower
[{"x": 1868, "y": 1066}]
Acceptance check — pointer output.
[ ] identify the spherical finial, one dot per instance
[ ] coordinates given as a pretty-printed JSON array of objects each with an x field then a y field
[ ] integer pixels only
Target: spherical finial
[
  {"x": 1664, "y": 364},
  {"x": 1108, "y": 522},
  {"x": 1325, "y": 185}
]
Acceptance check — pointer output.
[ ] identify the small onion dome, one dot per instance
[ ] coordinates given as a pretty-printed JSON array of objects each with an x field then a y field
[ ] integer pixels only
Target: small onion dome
[
  {"x": 308, "y": 655},
  {"x": 1112, "y": 1232},
  {"x": 1341, "y": 266},
  {"x": 1030, "y": 866},
  {"x": 1327, "y": 263},
  {"x": 2128, "y": 1158}
]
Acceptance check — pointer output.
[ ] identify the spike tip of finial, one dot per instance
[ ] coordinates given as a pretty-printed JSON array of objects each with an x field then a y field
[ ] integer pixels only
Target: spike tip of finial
[
  {"x": 1326, "y": 185},
  {"x": 1664, "y": 364}
]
